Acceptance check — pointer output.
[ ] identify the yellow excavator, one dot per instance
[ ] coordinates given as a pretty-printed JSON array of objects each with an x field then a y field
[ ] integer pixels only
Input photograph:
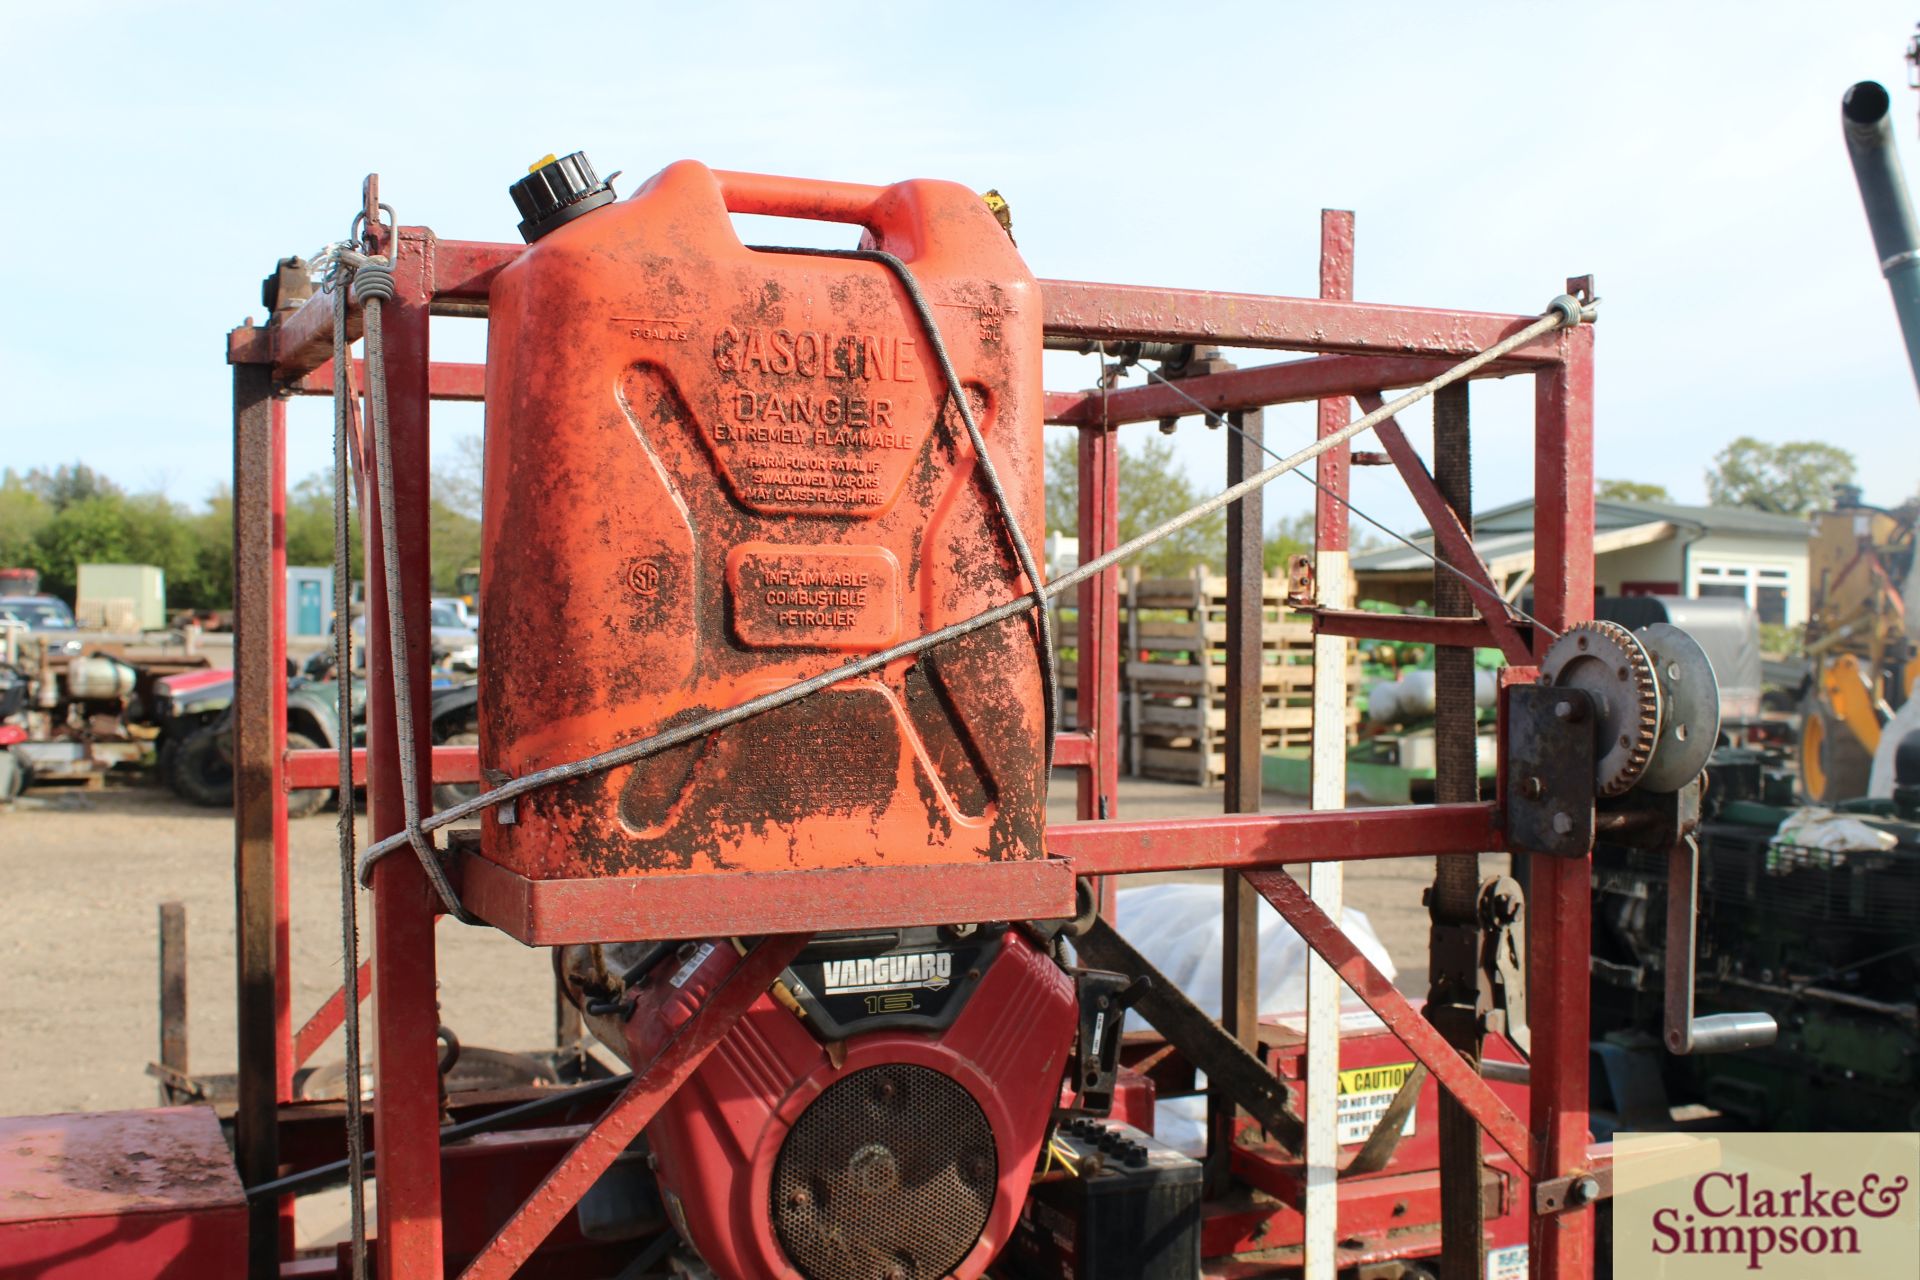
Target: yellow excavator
[{"x": 1864, "y": 663}]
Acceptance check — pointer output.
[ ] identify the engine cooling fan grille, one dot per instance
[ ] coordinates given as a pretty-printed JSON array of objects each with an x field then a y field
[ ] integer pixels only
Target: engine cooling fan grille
[{"x": 889, "y": 1174}]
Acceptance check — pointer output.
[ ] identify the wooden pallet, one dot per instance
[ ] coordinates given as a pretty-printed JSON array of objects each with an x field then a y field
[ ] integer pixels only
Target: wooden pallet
[
  {"x": 1173, "y": 684},
  {"x": 1175, "y": 679}
]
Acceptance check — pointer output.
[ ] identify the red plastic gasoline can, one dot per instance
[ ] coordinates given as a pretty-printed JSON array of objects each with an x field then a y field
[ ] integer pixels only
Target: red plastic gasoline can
[{"x": 713, "y": 471}]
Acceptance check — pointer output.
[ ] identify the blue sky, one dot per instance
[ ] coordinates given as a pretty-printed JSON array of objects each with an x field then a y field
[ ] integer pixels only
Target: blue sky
[{"x": 162, "y": 156}]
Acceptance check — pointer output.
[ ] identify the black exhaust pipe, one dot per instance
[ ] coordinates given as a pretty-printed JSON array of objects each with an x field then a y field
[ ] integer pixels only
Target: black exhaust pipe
[{"x": 1876, "y": 166}]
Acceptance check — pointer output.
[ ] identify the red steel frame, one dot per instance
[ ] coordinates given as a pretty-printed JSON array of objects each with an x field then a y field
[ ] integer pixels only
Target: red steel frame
[{"x": 1356, "y": 349}]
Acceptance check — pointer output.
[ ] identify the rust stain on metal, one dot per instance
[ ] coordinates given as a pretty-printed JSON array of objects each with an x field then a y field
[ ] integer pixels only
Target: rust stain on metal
[{"x": 114, "y": 1162}]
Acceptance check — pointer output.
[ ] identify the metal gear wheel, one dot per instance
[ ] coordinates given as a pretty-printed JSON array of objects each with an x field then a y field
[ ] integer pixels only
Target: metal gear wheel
[
  {"x": 1689, "y": 707},
  {"x": 1608, "y": 663}
]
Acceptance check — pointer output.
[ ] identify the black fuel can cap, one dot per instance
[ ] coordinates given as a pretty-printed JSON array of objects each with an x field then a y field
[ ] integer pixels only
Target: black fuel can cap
[{"x": 556, "y": 191}]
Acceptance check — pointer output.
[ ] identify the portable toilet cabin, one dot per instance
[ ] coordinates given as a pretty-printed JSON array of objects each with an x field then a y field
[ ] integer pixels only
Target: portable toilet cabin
[{"x": 309, "y": 600}]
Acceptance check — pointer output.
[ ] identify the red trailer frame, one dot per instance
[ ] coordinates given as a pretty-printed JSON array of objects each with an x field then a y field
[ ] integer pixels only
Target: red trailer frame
[{"x": 1356, "y": 351}]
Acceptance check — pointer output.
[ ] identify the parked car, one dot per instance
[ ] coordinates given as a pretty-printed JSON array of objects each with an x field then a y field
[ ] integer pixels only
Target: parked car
[
  {"x": 201, "y": 767},
  {"x": 456, "y": 641},
  {"x": 181, "y": 706},
  {"x": 456, "y": 723},
  {"x": 43, "y": 617},
  {"x": 457, "y": 605}
]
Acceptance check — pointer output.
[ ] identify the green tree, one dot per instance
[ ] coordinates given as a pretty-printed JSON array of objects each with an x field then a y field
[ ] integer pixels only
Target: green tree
[
  {"x": 1153, "y": 488},
  {"x": 160, "y": 532},
  {"x": 455, "y": 543},
  {"x": 1631, "y": 491},
  {"x": 1788, "y": 479},
  {"x": 23, "y": 513},
  {"x": 83, "y": 531},
  {"x": 454, "y": 512},
  {"x": 213, "y": 553},
  {"x": 310, "y": 524},
  {"x": 1291, "y": 536},
  {"x": 63, "y": 486}
]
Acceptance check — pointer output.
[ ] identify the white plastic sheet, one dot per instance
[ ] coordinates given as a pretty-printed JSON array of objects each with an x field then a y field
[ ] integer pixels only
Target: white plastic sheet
[{"x": 1177, "y": 927}]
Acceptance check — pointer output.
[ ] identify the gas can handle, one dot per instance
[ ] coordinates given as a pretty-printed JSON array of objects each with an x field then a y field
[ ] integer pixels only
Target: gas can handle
[{"x": 814, "y": 198}]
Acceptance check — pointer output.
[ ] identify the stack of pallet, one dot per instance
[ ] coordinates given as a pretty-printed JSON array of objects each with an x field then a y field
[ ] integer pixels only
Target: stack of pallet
[{"x": 1174, "y": 681}]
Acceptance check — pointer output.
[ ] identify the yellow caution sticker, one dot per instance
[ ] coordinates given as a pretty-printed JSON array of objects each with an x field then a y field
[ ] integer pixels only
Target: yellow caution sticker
[
  {"x": 1389, "y": 1076},
  {"x": 1365, "y": 1095}
]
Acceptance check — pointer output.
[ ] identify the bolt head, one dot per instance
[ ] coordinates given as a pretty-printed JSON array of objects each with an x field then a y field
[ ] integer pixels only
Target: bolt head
[
  {"x": 1583, "y": 1190},
  {"x": 1562, "y": 824}
]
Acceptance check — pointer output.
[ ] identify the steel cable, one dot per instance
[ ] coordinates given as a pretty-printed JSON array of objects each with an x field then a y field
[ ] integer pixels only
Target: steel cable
[
  {"x": 343, "y": 679},
  {"x": 957, "y": 391},
  {"x": 1563, "y": 312},
  {"x": 1473, "y": 584},
  {"x": 373, "y": 285}
]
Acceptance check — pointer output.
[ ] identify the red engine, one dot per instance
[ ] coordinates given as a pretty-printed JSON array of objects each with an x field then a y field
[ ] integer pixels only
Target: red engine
[{"x": 876, "y": 1117}]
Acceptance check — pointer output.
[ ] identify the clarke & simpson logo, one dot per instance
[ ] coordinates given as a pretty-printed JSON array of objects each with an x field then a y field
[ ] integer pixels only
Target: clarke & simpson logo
[
  {"x": 1730, "y": 1216},
  {"x": 1784, "y": 1206}
]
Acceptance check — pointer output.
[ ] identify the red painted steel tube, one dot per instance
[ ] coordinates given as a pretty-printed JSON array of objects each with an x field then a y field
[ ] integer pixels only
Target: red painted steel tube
[
  {"x": 652, "y": 1085},
  {"x": 256, "y": 935},
  {"x": 1415, "y": 628},
  {"x": 1331, "y": 469},
  {"x": 1455, "y": 1074},
  {"x": 282, "y": 877},
  {"x": 463, "y": 270},
  {"x": 1254, "y": 840},
  {"x": 407, "y": 1087},
  {"x": 322, "y": 768},
  {"x": 445, "y": 380},
  {"x": 458, "y": 270},
  {"x": 326, "y": 1019},
  {"x": 304, "y": 340},
  {"x": 1076, "y": 308},
  {"x": 1097, "y": 693},
  {"x": 1073, "y": 750},
  {"x": 1061, "y": 408},
  {"x": 1559, "y": 902},
  {"x": 558, "y": 912},
  {"x": 282, "y": 888},
  {"x": 1240, "y": 791},
  {"x": 1237, "y": 390},
  {"x": 250, "y": 344}
]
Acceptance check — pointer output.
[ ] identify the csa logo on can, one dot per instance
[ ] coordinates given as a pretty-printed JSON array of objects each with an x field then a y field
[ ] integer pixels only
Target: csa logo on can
[{"x": 643, "y": 578}]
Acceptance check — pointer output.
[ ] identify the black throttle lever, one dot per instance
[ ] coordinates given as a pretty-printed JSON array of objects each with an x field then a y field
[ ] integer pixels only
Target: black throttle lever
[{"x": 1104, "y": 998}]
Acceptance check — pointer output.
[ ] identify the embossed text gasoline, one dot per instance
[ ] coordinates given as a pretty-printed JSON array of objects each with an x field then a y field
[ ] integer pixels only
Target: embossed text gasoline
[{"x": 843, "y": 356}]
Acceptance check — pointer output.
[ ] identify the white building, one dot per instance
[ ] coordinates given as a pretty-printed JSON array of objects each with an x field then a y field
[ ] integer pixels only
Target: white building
[{"x": 1640, "y": 548}]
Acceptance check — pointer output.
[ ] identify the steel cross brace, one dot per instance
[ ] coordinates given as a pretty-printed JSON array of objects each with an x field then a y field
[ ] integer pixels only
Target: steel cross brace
[
  {"x": 327, "y": 1018},
  {"x": 1454, "y": 1073},
  {"x": 1449, "y": 535},
  {"x": 637, "y": 1104}
]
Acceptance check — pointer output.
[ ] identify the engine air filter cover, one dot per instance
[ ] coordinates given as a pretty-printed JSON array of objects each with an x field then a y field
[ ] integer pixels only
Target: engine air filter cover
[
  {"x": 902, "y": 1154},
  {"x": 889, "y": 1175}
]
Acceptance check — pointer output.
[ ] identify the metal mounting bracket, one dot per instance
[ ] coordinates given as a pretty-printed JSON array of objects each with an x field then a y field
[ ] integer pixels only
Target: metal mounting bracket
[{"x": 1549, "y": 790}]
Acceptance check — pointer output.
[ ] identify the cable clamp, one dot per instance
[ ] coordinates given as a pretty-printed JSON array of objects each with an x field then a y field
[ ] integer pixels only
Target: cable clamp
[
  {"x": 373, "y": 279},
  {"x": 1571, "y": 310}
]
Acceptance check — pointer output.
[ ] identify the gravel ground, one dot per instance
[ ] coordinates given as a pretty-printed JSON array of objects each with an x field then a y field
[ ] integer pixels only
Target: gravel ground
[{"x": 85, "y": 873}]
